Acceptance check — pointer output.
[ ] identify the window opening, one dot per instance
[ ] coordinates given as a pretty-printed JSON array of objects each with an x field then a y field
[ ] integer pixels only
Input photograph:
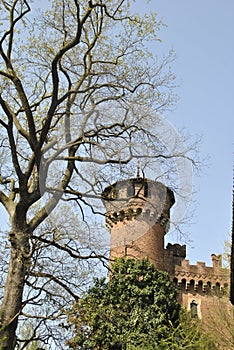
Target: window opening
[
  {"x": 193, "y": 308},
  {"x": 147, "y": 190},
  {"x": 130, "y": 190}
]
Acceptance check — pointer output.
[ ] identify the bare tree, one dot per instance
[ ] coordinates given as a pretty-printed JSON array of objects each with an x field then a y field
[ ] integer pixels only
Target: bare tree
[
  {"x": 220, "y": 322},
  {"x": 66, "y": 258},
  {"x": 78, "y": 85}
]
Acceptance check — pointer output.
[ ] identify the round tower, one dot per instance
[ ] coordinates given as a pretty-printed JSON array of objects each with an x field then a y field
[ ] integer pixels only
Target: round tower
[{"x": 137, "y": 215}]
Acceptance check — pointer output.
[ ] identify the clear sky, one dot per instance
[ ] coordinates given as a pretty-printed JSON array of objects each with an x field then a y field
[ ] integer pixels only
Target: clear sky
[{"x": 201, "y": 33}]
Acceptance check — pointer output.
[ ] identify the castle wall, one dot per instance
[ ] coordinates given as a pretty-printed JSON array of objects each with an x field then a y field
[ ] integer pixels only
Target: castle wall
[
  {"x": 206, "y": 304},
  {"x": 199, "y": 287}
]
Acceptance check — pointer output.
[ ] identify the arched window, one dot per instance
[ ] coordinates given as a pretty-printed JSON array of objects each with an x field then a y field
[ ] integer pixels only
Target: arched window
[
  {"x": 147, "y": 190},
  {"x": 193, "y": 308},
  {"x": 217, "y": 288},
  {"x": 200, "y": 286},
  {"x": 130, "y": 190},
  {"x": 192, "y": 285},
  {"x": 183, "y": 283},
  {"x": 208, "y": 286}
]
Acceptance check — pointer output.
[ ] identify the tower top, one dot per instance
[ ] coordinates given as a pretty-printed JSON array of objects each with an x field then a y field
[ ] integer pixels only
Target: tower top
[
  {"x": 138, "y": 217},
  {"x": 137, "y": 187},
  {"x": 139, "y": 198}
]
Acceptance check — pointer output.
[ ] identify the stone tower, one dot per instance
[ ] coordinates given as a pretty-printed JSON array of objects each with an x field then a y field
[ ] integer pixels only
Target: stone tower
[{"x": 137, "y": 215}]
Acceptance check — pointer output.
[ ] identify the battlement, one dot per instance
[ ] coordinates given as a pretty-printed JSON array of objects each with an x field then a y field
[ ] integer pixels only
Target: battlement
[
  {"x": 138, "y": 213},
  {"x": 176, "y": 250},
  {"x": 202, "y": 278},
  {"x": 138, "y": 199}
]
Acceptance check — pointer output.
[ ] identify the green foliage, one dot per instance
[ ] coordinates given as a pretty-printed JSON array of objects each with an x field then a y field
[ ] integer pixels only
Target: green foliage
[
  {"x": 137, "y": 309},
  {"x": 189, "y": 335},
  {"x": 137, "y": 300}
]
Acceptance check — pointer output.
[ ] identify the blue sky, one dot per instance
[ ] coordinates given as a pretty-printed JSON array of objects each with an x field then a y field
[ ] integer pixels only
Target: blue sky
[{"x": 201, "y": 33}]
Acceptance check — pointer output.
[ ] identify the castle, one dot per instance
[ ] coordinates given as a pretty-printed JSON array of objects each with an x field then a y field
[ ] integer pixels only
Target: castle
[{"x": 138, "y": 218}]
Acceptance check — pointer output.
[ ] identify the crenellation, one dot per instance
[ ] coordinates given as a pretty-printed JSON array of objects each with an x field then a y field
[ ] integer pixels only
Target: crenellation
[
  {"x": 216, "y": 261},
  {"x": 208, "y": 277}
]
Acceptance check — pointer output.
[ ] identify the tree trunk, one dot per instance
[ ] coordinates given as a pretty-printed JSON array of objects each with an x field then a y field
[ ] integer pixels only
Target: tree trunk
[{"x": 14, "y": 286}]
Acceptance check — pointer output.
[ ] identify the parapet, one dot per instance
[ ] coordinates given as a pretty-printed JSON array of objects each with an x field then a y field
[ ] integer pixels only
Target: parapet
[
  {"x": 176, "y": 250},
  {"x": 200, "y": 277},
  {"x": 140, "y": 199}
]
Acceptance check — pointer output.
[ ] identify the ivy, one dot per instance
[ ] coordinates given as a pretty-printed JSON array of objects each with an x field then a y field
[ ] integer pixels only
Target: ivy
[{"x": 136, "y": 309}]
